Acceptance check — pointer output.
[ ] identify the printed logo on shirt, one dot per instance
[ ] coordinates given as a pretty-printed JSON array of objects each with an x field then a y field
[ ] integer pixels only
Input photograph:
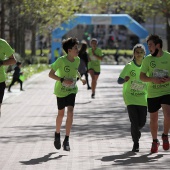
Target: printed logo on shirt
[
  {"x": 132, "y": 73},
  {"x": 152, "y": 64},
  {"x": 67, "y": 69}
]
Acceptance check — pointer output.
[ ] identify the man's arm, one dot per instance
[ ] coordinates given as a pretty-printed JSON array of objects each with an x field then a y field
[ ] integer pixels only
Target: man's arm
[
  {"x": 156, "y": 80},
  {"x": 10, "y": 61}
]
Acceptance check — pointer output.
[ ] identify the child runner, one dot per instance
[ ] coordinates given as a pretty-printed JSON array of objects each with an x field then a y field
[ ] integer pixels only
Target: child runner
[
  {"x": 95, "y": 56},
  {"x": 16, "y": 76},
  {"x": 64, "y": 71},
  {"x": 134, "y": 94}
]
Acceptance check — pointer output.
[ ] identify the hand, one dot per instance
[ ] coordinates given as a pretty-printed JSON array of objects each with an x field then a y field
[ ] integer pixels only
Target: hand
[
  {"x": 126, "y": 78},
  {"x": 159, "y": 80},
  {"x": 165, "y": 79},
  {"x": 83, "y": 81},
  {"x": 68, "y": 82}
]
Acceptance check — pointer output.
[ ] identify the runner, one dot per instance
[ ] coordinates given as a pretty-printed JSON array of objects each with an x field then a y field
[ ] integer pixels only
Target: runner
[
  {"x": 64, "y": 71},
  {"x": 83, "y": 63},
  {"x": 6, "y": 58},
  {"x": 134, "y": 94},
  {"x": 95, "y": 56},
  {"x": 16, "y": 76},
  {"x": 156, "y": 71}
]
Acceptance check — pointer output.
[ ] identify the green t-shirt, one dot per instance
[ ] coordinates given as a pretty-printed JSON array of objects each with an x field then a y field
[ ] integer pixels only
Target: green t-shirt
[
  {"x": 94, "y": 62},
  {"x": 67, "y": 70},
  {"x": 5, "y": 52},
  {"x": 157, "y": 67},
  {"x": 134, "y": 90}
]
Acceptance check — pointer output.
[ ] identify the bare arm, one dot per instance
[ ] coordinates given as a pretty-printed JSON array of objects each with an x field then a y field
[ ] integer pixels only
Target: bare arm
[
  {"x": 53, "y": 76},
  {"x": 10, "y": 61},
  {"x": 156, "y": 80},
  {"x": 82, "y": 80}
]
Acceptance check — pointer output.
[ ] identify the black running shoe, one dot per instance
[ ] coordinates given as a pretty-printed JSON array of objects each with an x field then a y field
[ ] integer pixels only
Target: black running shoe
[
  {"x": 57, "y": 142},
  {"x": 135, "y": 147},
  {"x": 93, "y": 96},
  {"x": 66, "y": 146}
]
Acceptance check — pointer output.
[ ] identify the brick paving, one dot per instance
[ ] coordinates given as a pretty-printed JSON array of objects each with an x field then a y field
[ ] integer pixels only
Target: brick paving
[{"x": 100, "y": 137}]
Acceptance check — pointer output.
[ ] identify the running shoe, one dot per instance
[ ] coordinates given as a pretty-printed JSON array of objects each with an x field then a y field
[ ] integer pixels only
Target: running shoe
[
  {"x": 66, "y": 146},
  {"x": 165, "y": 142},
  {"x": 57, "y": 142},
  {"x": 93, "y": 96},
  {"x": 154, "y": 148},
  {"x": 135, "y": 147}
]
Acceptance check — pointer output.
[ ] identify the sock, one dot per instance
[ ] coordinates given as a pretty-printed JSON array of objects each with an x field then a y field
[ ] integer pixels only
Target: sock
[
  {"x": 155, "y": 140},
  {"x": 57, "y": 135},
  {"x": 66, "y": 138},
  {"x": 164, "y": 135}
]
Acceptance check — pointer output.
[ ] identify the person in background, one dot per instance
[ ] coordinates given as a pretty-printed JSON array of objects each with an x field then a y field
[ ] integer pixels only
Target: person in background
[
  {"x": 65, "y": 71},
  {"x": 134, "y": 94},
  {"x": 6, "y": 58},
  {"x": 95, "y": 56},
  {"x": 16, "y": 76},
  {"x": 83, "y": 63},
  {"x": 156, "y": 72}
]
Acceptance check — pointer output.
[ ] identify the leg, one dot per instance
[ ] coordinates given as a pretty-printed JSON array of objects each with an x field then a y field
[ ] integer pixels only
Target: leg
[
  {"x": 12, "y": 83},
  {"x": 57, "y": 142},
  {"x": 154, "y": 124},
  {"x": 166, "y": 112},
  {"x": 142, "y": 116},
  {"x": 134, "y": 119},
  {"x": 69, "y": 120},
  {"x": 20, "y": 82},
  {"x": 92, "y": 80},
  {"x": 87, "y": 80},
  {"x": 2, "y": 90},
  {"x": 59, "y": 120}
]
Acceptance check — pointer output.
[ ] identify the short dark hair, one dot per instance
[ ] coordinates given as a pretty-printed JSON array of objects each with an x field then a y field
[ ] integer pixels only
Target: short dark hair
[
  {"x": 18, "y": 63},
  {"x": 69, "y": 43},
  {"x": 156, "y": 39}
]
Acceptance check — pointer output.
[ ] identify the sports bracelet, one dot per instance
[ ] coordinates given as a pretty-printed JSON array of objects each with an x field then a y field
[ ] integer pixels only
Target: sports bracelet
[{"x": 61, "y": 80}]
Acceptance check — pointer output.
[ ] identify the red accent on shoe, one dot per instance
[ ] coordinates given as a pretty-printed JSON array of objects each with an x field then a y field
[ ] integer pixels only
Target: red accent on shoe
[
  {"x": 154, "y": 147},
  {"x": 165, "y": 142}
]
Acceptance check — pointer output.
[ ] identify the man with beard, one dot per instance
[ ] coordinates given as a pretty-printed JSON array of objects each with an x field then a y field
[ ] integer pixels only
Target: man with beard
[{"x": 156, "y": 72}]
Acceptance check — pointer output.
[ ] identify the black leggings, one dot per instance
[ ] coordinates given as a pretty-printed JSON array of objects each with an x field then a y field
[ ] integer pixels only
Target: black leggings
[
  {"x": 15, "y": 80},
  {"x": 2, "y": 90},
  {"x": 137, "y": 116}
]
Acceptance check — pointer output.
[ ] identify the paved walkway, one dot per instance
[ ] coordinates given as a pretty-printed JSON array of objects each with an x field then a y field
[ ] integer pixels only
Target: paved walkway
[{"x": 100, "y": 138}]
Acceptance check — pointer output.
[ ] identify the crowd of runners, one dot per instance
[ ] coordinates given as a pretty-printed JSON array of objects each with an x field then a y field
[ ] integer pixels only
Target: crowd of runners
[{"x": 145, "y": 79}]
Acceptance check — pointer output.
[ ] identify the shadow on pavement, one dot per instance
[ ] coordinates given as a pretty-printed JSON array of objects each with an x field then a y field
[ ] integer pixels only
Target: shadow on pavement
[{"x": 43, "y": 159}]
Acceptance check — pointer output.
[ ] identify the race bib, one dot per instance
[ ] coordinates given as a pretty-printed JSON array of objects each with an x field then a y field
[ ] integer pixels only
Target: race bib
[
  {"x": 160, "y": 73},
  {"x": 70, "y": 85},
  {"x": 137, "y": 85},
  {"x": 93, "y": 58}
]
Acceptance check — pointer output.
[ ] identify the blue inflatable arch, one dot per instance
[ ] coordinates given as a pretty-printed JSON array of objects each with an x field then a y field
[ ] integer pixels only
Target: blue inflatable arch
[{"x": 97, "y": 19}]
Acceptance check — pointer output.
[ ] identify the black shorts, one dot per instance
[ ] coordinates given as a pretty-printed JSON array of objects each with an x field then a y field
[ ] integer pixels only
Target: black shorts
[
  {"x": 2, "y": 90},
  {"x": 69, "y": 100},
  {"x": 154, "y": 104}
]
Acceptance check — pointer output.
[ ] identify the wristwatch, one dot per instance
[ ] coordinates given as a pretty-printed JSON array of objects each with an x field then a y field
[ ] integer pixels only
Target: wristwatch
[
  {"x": 1, "y": 63},
  {"x": 61, "y": 80}
]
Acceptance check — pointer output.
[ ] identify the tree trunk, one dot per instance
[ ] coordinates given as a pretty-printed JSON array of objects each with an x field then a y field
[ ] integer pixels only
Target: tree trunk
[
  {"x": 2, "y": 19},
  {"x": 168, "y": 34},
  {"x": 33, "y": 45}
]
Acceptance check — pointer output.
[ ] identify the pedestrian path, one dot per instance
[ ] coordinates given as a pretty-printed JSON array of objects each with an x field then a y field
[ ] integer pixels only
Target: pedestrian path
[{"x": 100, "y": 137}]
